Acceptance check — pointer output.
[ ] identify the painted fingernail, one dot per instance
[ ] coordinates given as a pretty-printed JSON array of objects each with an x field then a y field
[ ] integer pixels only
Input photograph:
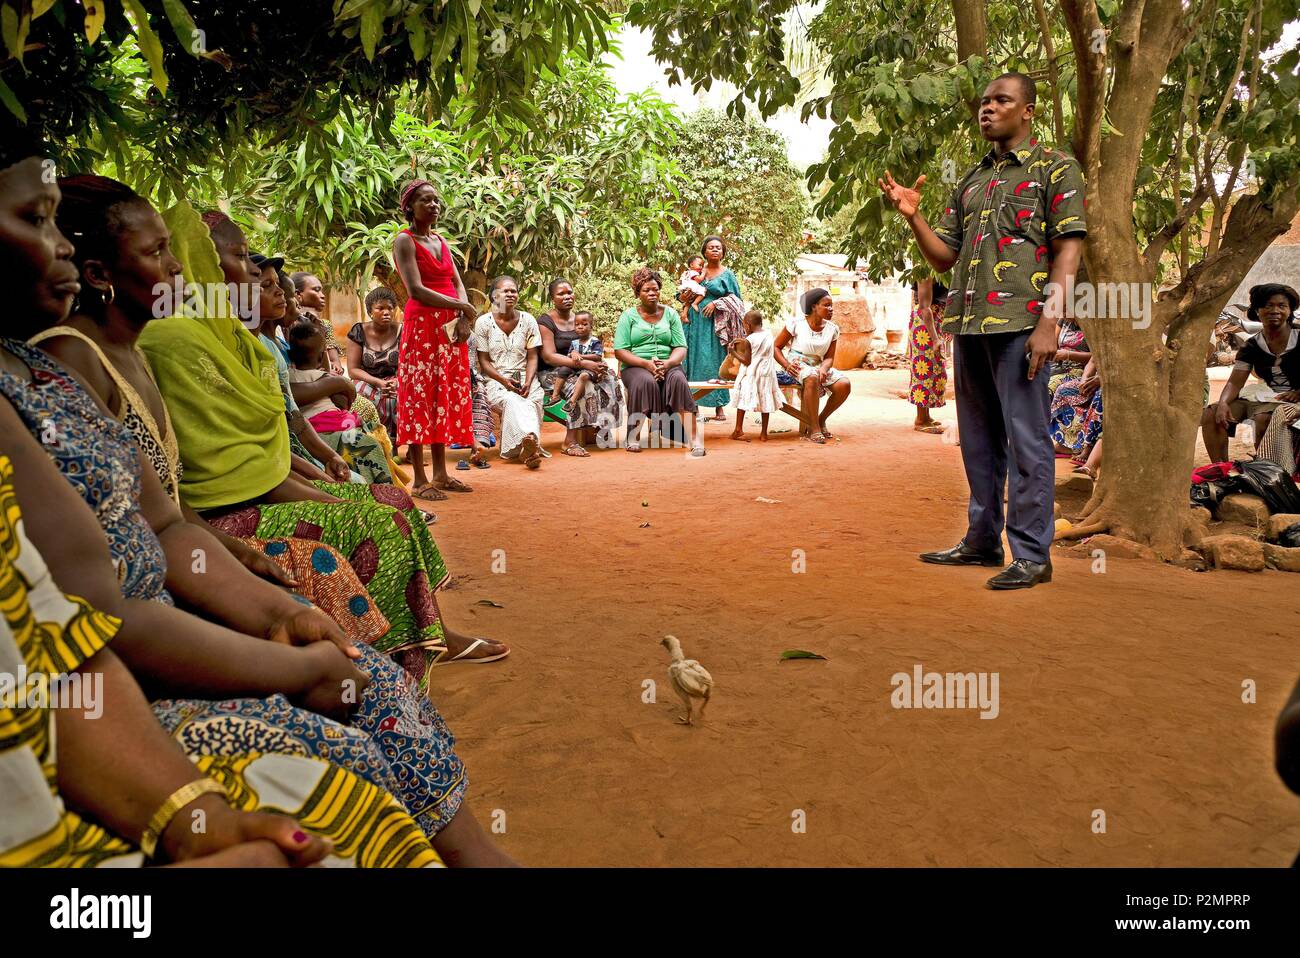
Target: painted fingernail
[{"x": 300, "y": 837}]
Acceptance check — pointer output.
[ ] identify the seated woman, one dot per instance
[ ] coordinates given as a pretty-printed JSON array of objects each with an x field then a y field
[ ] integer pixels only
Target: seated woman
[
  {"x": 811, "y": 340},
  {"x": 366, "y": 413},
  {"x": 1076, "y": 395},
  {"x": 601, "y": 406},
  {"x": 372, "y": 355},
  {"x": 360, "y": 454},
  {"x": 222, "y": 394},
  {"x": 80, "y": 811},
  {"x": 651, "y": 346},
  {"x": 507, "y": 341},
  {"x": 311, "y": 305},
  {"x": 1272, "y": 354},
  {"x": 113, "y": 551},
  {"x": 1077, "y": 417}
]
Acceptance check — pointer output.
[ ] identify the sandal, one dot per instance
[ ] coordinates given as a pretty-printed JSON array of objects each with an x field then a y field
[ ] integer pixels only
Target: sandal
[
  {"x": 463, "y": 465},
  {"x": 429, "y": 491},
  {"x": 464, "y": 656},
  {"x": 530, "y": 452},
  {"x": 934, "y": 429},
  {"x": 480, "y": 463},
  {"x": 576, "y": 451},
  {"x": 633, "y": 447},
  {"x": 818, "y": 438},
  {"x": 454, "y": 485}
]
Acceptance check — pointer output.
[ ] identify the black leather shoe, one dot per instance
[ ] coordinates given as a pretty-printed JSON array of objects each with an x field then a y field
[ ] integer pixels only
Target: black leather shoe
[
  {"x": 1022, "y": 574},
  {"x": 962, "y": 554}
]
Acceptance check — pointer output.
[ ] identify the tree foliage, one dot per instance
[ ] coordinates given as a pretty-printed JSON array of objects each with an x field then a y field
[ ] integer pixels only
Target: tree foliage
[
  {"x": 741, "y": 186},
  {"x": 591, "y": 180},
  {"x": 216, "y": 72}
]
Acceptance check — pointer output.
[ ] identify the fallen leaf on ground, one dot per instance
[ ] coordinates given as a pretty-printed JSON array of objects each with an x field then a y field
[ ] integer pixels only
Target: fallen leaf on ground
[
  {"x": 765, "y": 499},
  {"x": 495, "y": 605},
  {"x": 800, "y": 654},
  {"x": 645, "y": 525}
]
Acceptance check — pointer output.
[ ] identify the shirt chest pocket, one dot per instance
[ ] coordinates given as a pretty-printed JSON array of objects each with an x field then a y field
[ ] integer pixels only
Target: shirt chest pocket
[{"x": 1019, "y": 215}]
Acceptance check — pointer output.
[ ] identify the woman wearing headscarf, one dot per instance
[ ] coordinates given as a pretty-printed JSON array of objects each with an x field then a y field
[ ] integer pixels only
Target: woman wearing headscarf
[
  {"x": 434, "y": 403},
  {"x": 811, "y": 339},
  {"x": 222, "y": 391},
  {"x": 651, "y": 346}
]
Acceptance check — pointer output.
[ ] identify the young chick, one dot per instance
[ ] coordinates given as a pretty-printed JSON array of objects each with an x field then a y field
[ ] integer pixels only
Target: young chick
[{"x": 690, "y": 680}]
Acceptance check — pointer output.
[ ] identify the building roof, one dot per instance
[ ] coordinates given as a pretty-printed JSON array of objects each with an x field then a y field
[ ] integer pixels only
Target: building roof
[{"x": 1280, "y": 263}]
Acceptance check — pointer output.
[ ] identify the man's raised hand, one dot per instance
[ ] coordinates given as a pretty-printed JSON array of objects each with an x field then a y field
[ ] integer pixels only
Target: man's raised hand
[{"x": 906, "y": 201}]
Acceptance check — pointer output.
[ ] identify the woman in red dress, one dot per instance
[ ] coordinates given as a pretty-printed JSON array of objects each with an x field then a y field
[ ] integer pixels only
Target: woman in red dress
[{"x": 433, "y": 395}]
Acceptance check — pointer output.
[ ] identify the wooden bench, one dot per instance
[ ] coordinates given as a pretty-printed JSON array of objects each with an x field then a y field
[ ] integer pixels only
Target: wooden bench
[{"x": 791, "y": 393}]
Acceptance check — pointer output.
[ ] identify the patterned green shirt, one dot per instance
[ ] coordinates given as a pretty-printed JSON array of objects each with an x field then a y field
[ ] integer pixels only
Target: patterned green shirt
[{"x": 1002, "y": 219}]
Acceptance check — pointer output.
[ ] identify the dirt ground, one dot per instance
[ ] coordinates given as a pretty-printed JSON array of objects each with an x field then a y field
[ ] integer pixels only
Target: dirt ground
[{"x": 1119, "y": 691}]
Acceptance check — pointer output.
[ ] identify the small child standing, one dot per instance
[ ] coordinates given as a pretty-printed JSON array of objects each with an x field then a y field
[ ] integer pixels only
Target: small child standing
[{"x": 756, "y": 388}]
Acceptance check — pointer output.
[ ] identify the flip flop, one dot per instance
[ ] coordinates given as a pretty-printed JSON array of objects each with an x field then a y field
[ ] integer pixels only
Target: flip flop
[
  {"x": 454, "y": 485},
  {"x": 429, "y": 491},
  {"x": 463, "y": 465},
  {"x": 480, "y": 464},
  {"x": 463, "y": 656},
  {"x": 577, "y": 452},
  {"x": 934, "y": 429}
]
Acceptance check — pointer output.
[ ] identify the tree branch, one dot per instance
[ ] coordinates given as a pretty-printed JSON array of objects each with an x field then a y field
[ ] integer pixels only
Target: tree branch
[
  {"x": 1156, "y": 248},
  {"x": 1083, "y": 24},
  {"x": 1045, "y": 28}
]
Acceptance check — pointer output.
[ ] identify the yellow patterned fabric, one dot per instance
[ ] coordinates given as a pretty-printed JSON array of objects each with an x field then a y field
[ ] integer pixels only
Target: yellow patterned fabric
[{"x": 47, "y": 634}]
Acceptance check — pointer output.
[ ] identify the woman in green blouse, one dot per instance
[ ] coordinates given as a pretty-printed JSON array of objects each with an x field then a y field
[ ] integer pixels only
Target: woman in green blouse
[{"x": 651, "y": 347}]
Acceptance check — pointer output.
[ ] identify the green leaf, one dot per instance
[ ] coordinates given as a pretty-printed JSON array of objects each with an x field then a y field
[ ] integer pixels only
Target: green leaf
[
  {"x": 150, "y": 46},
  {"x": 469, "y": 53},
  {"x": 441, "y": 50},
  {"x": 14, "y": 27},
  {"x": 182, "y": 24},
  {"x": 800, "y": 654},
  {"x": 11, "y": 102},
  {"x": 418, "y": 36},
  {"x": 372, "y": 25}
]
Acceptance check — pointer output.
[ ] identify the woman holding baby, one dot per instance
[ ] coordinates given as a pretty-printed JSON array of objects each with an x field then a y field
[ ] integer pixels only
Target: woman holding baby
[{"x": 710, "y": 282}]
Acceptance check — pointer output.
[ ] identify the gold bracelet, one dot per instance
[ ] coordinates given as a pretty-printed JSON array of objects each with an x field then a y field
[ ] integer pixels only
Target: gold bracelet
[{"x": 172, "y": 807}]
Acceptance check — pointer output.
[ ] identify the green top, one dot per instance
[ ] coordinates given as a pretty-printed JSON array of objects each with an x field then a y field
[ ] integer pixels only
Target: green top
[
  {"x": 1002, "y": 219},
  {"x": 649, "y": 340}
]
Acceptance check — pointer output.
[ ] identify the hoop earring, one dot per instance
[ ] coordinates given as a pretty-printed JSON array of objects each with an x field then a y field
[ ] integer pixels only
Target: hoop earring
[{"x": 110, "y": 295}]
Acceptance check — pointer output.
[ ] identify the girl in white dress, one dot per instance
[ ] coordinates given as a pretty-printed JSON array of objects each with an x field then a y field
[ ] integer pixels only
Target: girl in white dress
[{"x": 756, "y": 388}]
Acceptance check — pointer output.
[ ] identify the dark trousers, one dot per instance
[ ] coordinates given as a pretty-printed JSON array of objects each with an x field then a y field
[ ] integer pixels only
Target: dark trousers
[{"x": 1003, "y": 417}]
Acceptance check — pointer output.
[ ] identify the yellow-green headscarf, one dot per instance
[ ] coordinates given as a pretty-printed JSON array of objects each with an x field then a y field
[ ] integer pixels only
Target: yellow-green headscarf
[{"x": 219, "y": 382}]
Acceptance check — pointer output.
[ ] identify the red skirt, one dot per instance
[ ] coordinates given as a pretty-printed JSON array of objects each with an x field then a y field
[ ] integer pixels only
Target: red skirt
[{"x": 433, "y": 394}]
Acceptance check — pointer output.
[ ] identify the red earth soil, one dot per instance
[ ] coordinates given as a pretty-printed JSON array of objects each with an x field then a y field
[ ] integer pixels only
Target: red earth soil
[{"x": 1119, "y": 691}]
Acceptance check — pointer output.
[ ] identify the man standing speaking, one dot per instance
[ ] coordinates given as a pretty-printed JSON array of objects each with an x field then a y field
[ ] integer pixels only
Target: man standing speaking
[{"x": 1014, "y": 228}]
